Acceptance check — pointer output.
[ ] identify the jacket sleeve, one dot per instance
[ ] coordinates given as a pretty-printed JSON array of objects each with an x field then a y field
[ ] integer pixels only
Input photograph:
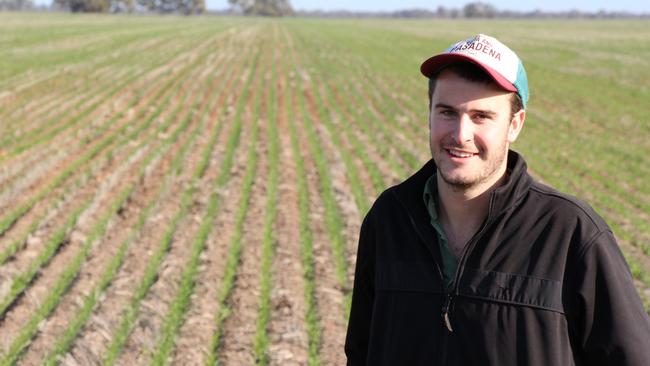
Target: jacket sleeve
[
  {"x": 363, "y": 293},
  {"x": 610, "y": 324}
]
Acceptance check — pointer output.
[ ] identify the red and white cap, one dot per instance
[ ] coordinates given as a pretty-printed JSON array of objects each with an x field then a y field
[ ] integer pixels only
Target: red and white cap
[{"x": 499, "y": 61}]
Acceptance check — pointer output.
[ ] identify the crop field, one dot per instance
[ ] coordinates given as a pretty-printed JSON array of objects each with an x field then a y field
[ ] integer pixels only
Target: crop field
[{"x": 189, "y": 191}]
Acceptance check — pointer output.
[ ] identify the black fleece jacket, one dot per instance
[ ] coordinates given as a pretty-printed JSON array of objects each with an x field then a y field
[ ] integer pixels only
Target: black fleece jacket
[{"x": 543, "y": 282}]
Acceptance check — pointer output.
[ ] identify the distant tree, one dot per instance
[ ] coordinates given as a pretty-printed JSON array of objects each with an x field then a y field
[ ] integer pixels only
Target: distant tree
[
  {"x": 479, "y": 10},
  {"x": 276, "y": 8},
  {"x": 122, "y": 6},
  {"x": 84, "y": 6},
  {"x": 408, "y": 13},
  {"x": 16, "y": 4},
  {"x": 442, "y": 12}
]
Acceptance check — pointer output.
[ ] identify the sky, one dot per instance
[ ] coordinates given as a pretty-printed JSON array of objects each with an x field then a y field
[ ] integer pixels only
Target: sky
[{"x": 633, "y": 6}]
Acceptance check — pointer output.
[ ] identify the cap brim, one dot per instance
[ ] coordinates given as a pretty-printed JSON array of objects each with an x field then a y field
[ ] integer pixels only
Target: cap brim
[{"x": 435, "y": 63}]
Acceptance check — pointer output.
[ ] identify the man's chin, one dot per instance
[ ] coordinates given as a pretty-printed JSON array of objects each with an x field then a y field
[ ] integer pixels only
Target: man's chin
[{"x": 458, "y": 182}]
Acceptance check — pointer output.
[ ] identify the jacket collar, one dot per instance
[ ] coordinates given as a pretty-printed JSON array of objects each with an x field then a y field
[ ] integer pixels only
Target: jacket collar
[{"x": 409, "y": 192}]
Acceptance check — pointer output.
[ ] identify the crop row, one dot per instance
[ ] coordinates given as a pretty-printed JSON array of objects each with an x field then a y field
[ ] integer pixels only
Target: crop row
[
  {"x": 69, "y": 274},
  {"x": 119, "y": 136}
]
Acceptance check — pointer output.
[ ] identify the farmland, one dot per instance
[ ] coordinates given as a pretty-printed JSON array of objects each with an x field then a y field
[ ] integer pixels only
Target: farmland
[{"x": 190, "y": 190}]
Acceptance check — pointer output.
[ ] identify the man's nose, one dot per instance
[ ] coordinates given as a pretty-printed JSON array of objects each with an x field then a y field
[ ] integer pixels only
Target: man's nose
[{"x": 464, "y": 130}]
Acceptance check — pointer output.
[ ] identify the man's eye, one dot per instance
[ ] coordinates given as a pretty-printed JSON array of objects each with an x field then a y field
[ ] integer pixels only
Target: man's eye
[
  {"x": 482, "y": 117},
  {"x": 447, "y": 113}
]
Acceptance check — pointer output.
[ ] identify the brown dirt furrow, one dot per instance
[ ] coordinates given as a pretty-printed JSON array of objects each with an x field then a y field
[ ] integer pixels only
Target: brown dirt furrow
[
  {"x": 36, "y": 107},
  {"x": 329, "y": 296},
  {"x": 118, "y": 231},
  {"x": 42, "y": 105},
  {"x": 26, "y": 174},
  {"x": 155, "y": 305},
  {"x": 407, "y": 133},
  {"x": 412, "y": 132},
  {"x": 75, "y": 138},
  {"x": 103, "y": 199},
  {"x": 34, "y": 100},
  {"x": 49, "y": 121},
  {"x": 59, "y": 98},
  {"x": 17, "y": 175},
  {"x": 94, "y": 191},
  {"x": 24, "y": 222},
  {"x": 103, "y": 252},
  {"x": 150, "y": 320},
  {"x": 31, "y": 108},
  {"x": 237, "y": 347},
  {"x": 351, "y": 217},
  {"x": 51, "y": 171},
  {"x": 36, "y": 167},
  {"x": 32, "y": 247},
  {"x": 18, "y": 172},
  {"x": 35, "y": 294},
  {"x": 370, "y": 142},
  {"x": 195, "y": 334},
  {"x": 407, "y": 130},
  {"x": 362, "y": 170},
  {"x": 409, "y": 120},
  {"x": 50, "y": 212},
  {"x": 346, "y": 204},
  {"x": 92, "y": 344},
  {"x": 157, "y": 301},
  {"x": 288, "y": 340},
  {"x": 61, "y": 114}
]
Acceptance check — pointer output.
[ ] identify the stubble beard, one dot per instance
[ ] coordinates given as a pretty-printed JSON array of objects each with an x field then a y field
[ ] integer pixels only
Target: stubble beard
[{"x": 488, "y": 173}]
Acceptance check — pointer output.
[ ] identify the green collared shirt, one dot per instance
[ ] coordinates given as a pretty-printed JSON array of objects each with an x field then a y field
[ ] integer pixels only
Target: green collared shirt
[{"x": 449, "y": 262}]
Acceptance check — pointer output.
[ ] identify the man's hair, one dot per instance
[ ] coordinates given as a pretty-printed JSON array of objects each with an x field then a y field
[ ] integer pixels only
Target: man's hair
[{"x": 472, "y": 72}]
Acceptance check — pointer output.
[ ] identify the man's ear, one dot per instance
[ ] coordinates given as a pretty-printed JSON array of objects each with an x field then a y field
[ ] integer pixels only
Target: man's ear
[{"x": 516, "y": 124}]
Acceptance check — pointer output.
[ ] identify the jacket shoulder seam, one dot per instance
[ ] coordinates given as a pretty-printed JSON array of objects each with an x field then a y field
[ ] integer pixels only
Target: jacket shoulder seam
[
  {"x": 575, "y": 202},
  {"x": 590, "y": 243}
]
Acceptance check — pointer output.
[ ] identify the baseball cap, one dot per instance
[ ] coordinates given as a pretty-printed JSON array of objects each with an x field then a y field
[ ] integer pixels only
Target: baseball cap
[{"x": 499, "y": 61}]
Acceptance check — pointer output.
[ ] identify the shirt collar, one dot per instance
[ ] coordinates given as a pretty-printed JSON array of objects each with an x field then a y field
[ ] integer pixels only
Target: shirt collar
[{"x": 430, "y": 195}]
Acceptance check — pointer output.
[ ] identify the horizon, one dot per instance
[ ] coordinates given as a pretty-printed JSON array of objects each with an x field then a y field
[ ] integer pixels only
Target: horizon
[{"x": 630, "y": 6}]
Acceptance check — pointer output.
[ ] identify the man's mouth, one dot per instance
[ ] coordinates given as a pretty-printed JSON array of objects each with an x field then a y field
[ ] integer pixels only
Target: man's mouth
[{"x": 460, "y": 153}]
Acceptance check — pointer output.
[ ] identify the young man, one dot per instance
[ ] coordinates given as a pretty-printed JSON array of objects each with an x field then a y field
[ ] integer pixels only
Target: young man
[{"x": 471, "y": 262}]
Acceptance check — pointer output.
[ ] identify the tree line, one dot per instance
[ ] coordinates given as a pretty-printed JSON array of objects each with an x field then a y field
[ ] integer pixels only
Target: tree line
[
  {"x": 474, "y": 10},
  {"x": 129, "y": 6},
  {"x": 14, "y": 5},
  {"x": 188, "y": 7},
  {"x": 262, "y": 7},
  {"x": 284, "y": 8}
]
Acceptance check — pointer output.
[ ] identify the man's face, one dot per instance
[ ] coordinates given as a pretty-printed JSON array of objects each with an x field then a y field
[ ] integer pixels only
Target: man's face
[{"x": 471, "y": 130}]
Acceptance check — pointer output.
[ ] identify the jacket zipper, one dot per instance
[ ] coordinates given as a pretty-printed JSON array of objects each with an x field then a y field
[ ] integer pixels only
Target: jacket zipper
[
  {"x": 445, "y": 312},
  {"x": 447, "y": 331},
  {"x": 451, "y": 293}
]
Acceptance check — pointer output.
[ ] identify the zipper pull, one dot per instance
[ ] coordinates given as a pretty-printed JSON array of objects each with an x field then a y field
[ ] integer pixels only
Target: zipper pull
[{"x": 445, "y": 313}]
